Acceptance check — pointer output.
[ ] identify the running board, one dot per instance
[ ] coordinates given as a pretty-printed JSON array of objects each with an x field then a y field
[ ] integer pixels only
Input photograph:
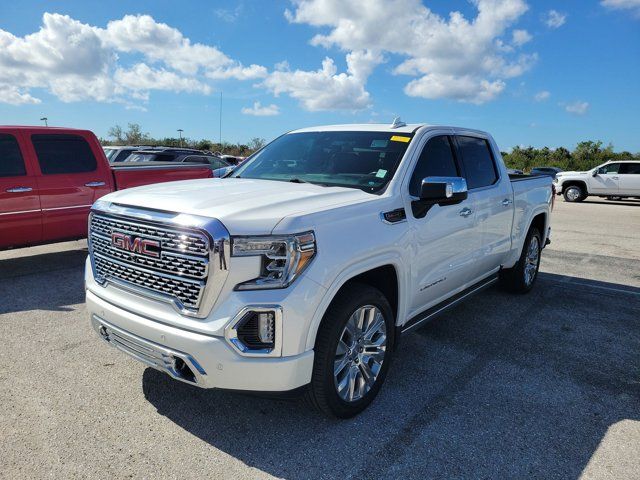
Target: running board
[{"x": 442, "y": 307}]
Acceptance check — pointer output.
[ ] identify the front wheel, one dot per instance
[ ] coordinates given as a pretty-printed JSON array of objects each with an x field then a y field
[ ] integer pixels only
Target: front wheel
[
  {"x": 573, "y": 193},
  {"x": 521, "y": 277},
  {"x": 352, "y": 352}
]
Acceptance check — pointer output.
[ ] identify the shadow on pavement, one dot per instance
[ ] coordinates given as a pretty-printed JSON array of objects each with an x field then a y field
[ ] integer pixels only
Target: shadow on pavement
[
  {"x": 502, "y": 386},
  {"x": 629, "y": 202},
  {"x": 48, "y": 281}
]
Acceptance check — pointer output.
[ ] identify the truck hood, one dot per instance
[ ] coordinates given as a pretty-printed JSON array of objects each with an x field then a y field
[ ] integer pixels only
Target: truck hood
[
  {"x": 570, "y": 173},
  {"x": 244, "y": 206}
]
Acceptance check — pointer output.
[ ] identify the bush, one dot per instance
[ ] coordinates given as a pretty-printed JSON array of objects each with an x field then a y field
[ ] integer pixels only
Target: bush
[{"x": 585, "y": 156}]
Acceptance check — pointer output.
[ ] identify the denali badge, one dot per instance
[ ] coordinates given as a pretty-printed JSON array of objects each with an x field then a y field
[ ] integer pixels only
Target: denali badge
[{"x": 150, "y": 248}]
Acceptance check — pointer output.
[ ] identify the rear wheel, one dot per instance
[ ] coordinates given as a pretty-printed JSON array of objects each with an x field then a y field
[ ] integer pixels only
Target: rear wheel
[
  {"x": 352, "y": 352},
  {"x": 521, "y": 278},
  {"x": 573, "y": 193}
]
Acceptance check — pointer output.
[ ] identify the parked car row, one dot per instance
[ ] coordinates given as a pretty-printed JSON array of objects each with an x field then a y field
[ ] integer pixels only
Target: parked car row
[
  {"x": 219, "y": 164},
  {"x": 50, "y": 177}
]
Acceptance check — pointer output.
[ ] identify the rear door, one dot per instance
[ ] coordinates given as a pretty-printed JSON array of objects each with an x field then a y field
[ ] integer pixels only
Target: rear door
[
  {"x": 20, "y": 213},
  {"x": 492, "y": 198},
  {"x": 73, "y": 173},
  {"x": 444, "y": 247},
  {"x": 606, "y": 182},
  {"x": 629, "y": 183}
]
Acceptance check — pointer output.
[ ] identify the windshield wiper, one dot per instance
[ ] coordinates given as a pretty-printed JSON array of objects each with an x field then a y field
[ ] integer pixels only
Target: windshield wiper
[{"x": 297, "y": 180}]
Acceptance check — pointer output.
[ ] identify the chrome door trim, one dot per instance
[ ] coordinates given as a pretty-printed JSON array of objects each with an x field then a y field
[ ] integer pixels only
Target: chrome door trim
[{"x": 19, "y": 190}]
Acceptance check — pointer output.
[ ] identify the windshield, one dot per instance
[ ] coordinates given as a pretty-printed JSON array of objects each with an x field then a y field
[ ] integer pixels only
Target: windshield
[{"x": 364, "y": 160}]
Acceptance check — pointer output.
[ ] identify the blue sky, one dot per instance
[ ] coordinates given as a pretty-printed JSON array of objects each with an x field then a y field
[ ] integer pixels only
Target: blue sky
[{"x": 528, "y": 75}]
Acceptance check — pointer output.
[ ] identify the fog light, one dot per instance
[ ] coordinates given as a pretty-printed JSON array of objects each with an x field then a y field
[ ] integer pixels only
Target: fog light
[{"x": 266, "y": 327}]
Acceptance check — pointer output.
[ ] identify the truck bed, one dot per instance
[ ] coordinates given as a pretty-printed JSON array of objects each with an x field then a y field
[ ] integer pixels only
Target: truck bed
[{"x": 135, "y": 174}]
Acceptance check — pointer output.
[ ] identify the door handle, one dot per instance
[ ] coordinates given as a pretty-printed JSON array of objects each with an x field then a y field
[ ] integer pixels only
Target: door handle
[
  {"x": 465, "y": 212},
  {"x": 19, "y": 189},
  {"x": 95, "y": 184},
  {"x": 506, "y": 202}
]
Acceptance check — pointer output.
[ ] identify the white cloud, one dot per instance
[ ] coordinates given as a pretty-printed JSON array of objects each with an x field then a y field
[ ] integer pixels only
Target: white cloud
[
  {"x": 520, "y": 37},
  {"x": 141, "y": 77},
  {"x": 13, "y": 96},
  {"x": 622, "y": 5},
  {"x": 261, "y": 111},
  {"x": 228, "y": 15},
  {"x": 577, "y": 108},
  {"x": 555, "y": 19},
  {"x": 325, "y": 88},
  {"x": 76, "y": 61},
  {"x": 454, "y": 57},
  {"x": 542, "y": 96}
]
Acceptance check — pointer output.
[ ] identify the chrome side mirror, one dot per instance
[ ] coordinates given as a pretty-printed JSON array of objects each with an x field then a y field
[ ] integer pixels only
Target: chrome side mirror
[{"x": 443, "y": 190}]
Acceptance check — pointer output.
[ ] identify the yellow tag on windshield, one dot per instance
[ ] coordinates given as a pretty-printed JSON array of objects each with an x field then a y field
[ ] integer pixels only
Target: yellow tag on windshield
[{"x": 399, "y": 138}]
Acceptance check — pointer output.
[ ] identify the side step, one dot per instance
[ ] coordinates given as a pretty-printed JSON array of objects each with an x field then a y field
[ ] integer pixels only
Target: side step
[{"x": 442, "y": 307}]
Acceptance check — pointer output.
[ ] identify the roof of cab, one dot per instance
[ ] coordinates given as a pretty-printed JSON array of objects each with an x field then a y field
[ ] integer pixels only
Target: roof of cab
[
  {"x": 363, "y": 127},
  {"x": 42, "y": 127}
]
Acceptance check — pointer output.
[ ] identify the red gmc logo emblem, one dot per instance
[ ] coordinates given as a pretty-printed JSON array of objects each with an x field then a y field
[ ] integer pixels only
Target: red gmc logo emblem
[{"x": 150, "y": 248}]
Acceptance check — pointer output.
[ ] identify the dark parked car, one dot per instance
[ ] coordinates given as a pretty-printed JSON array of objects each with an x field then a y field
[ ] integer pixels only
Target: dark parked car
[
  {"x": 180, "y": 155},
  {"x": 550, "y": 171},
  {"x": 120, "y": 153}
]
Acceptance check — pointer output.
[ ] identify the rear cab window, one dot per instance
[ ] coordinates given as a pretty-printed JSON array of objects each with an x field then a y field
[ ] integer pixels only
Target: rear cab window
[
  {"x": 63, "y": 153},
  {"x": 11, "y": 161},
  {"x": 477, "y": 159},
  {"x": 630, "y": 168}
]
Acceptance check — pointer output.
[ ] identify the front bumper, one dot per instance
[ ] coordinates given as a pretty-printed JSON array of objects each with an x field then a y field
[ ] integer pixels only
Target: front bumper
[{"x": 211, "y": 361}]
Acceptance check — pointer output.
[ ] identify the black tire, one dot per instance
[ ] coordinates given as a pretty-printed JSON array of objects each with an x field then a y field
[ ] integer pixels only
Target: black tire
[
  {"x": 322, "y": 392},
  {"x": 515, "y": 279},
  {"x": 574, "y": 193}
]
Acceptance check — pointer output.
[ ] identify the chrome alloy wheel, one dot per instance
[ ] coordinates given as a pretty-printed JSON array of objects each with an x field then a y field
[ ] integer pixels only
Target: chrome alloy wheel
[
  {"x": 531, "y": 260},
  {"x": 360, "y": 353},
  {"x": 573, "y": 193}
]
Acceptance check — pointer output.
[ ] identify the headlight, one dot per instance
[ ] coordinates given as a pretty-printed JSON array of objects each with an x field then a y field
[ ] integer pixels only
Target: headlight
[{"x": 284, "y": 258}]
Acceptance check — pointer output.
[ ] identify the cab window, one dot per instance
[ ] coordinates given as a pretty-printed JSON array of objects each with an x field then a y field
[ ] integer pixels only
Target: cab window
[
  {"x": 479, "y": 167},
  {"x": 63, "y": 154},
  {"x": 630, "y": 168},
  {"x": 609, "y": 168},
  {"x": 436, "y": 160},
  {"x": 11, "y": 162}
]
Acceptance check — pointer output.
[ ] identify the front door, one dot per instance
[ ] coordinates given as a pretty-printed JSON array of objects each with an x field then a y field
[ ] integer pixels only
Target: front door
[
  {"x": 20, "y": 214},
  {"x": 606, "y": 182},
  {"x": 445, "y": 240}
]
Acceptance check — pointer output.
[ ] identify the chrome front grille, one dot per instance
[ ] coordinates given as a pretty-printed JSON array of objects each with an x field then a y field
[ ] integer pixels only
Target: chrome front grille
[
  {"x": 172, "y": 239},
  {"x": 179, "y": 272},
  {"x": 176, "y": 264}
]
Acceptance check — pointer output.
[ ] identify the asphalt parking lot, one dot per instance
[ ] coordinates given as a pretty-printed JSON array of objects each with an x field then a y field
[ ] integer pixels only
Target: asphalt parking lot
[{"x": 545, "y": 385}]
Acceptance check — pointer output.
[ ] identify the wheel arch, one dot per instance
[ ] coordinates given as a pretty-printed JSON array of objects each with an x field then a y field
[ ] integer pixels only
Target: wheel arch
[
  {"x": 578, "y": 183},
  {"x": 385, "y": 276}
]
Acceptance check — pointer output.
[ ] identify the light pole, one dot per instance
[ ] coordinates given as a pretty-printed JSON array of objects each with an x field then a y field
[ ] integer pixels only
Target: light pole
[
  {"x": 180, "y": 133},
  {"x": 44, "y": 119}
]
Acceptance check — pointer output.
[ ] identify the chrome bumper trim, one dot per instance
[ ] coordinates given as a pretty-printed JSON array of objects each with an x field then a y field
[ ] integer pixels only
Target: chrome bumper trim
[{"x": 151, "y": 354}]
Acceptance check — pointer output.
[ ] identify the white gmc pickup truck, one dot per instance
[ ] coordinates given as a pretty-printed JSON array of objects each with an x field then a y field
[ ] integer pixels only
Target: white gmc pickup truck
[{"x": 301, "y": 270}]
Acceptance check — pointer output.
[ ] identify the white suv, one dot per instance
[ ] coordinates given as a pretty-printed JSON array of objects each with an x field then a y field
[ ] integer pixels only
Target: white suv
[{"x": 617, "y": 179}]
